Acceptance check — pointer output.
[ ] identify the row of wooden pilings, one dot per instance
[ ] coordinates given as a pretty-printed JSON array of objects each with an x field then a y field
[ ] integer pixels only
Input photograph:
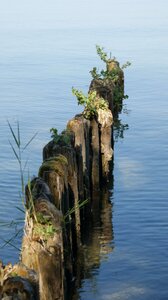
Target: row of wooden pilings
[{"x": 60, "y": 202}]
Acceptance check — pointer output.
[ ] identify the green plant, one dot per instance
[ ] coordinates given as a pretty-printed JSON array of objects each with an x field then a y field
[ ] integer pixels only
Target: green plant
[
  {"x": 44, "y": 231},
  {"x": 44, "y": 227},
  {"x": 92, "y": 103},
  {"x": 79, "y": 205},
  {"x": 105, "y": 74},
  {"x": 63, "y": 138},
  {"x": 54, "y": 134},
  {"x": 127, "y": 64},
  {"x": 113, "y": 73},
  {"x": 30, "y": 203},
  {"x": 103, "y": 55},
  {"x": 18, "y": 150}
]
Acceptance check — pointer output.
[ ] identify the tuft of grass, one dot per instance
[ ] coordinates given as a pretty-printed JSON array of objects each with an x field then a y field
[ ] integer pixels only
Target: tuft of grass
[
  {"x": 79, "y": 205},
  {"x": 18, "y": 150}
]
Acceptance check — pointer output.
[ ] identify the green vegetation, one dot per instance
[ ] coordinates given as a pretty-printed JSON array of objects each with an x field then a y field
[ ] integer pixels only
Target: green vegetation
[
  {"x": 79, "y": 205},
  {"x": 92, "y": 102},
  {"x": 113, "y": 72},
  {"x": 127, "y": 64},
  {"x": 103, "y": 55},
  {"x": 44, "y": 227},
  {"x": 105, "y": 74},
  {"x": 18, "y": 150},
  {"x": 44, "y": 230},
  {"x": 64, "y": 138},
  {"x": 56, "y": 163}
]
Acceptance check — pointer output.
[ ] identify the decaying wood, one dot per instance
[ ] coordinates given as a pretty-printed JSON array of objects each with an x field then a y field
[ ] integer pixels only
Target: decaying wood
[
  {"x": 43, "y": 238},
  {"x": 71, "y": 172},
  {"x": 105, "y": 120},
  {"x": 104, "y": 89},
  {"x": 18, "y": 282}
]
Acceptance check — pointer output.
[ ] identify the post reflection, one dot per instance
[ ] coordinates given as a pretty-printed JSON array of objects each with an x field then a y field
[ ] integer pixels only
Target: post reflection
[{"x": 98, "y": 241}]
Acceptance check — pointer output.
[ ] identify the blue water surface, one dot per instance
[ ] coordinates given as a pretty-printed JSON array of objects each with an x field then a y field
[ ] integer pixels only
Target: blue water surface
[{"x": 41, "y": 57}]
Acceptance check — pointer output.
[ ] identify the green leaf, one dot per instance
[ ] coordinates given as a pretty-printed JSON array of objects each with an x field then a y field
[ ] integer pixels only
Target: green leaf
[
  {"x": 20, "y": 209},
  {"x": 33, "y": 137},
  {"x": 13, "y": 134},
  {"x": 15, "y": 153},
  {"x": 18, "y": 129}
]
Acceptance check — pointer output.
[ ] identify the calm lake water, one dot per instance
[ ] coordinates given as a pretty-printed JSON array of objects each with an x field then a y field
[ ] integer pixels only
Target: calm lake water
[{"x": 38, "y": 69}]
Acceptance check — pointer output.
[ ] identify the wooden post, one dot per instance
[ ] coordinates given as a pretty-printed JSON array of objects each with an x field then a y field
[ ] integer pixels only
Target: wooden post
[
  {"x": 105, "y": 121},
  {"x": 95, "y": 156},
  {"x": 43, "y": 237},
  {"x": 50, "y": 274}
]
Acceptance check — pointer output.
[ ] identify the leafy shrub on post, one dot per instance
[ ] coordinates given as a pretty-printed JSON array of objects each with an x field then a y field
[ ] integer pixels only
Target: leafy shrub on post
[
  {"x": 92, "y": 103},
  {"x": 113, "y": 72},
  {"x": 110, "y": 72}
]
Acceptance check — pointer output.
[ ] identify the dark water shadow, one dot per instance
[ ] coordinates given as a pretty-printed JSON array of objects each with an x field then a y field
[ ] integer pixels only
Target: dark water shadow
[
  {"x": 119, "y": 127},
  {"x": 98, "y": 240}
]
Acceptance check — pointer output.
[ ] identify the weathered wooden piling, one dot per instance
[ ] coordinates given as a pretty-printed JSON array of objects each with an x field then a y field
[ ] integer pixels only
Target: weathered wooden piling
[
  {"x": 18, "y": 282},
  {"x": 54, "y": 172},
  {"x": 81, "y": 130},
  {"x": 75, "y": 168},
  {"x": 42, "y": 246},
  {"x": 105, "y": 120},
  {"x": 95, "y": 154},
  {"x": 104, "y": 89}
]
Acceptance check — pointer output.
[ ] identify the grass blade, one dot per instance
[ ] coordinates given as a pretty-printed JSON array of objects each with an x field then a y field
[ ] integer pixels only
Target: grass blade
[
  {"x": 25, "y": 165},
  {"x": 13, "y": 134},
  {"x": 16, "y": 155},
  {"x": 18, "y": 129},
  {"x": 33, "y": 137},
  {"x": 20, "y": 209},
  {"x": 9, "y": 242},
  {"x": 5, "y": 223}
]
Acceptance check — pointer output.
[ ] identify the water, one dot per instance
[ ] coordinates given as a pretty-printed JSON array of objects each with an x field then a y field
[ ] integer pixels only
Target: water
[{"x": 40, "y": 62}]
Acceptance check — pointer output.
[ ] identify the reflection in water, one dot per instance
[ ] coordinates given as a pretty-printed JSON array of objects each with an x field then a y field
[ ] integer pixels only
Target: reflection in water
[
  {"x": 97, "y": 242},
  {"x": 119, "y": 127}
]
